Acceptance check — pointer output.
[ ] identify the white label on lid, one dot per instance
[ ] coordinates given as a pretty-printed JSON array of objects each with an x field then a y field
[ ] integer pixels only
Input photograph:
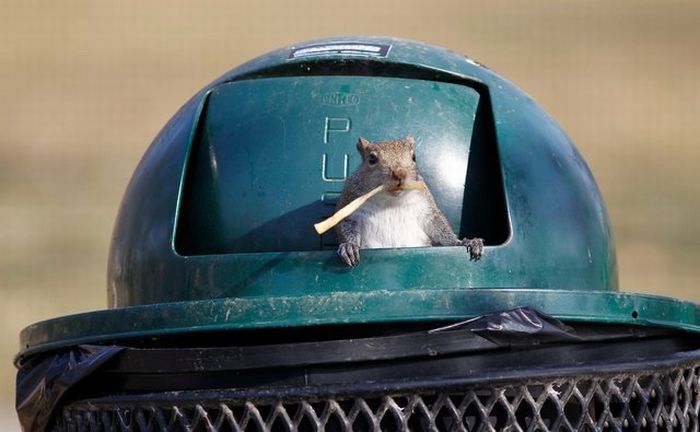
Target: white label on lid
[{"x": 341, "y": 48}]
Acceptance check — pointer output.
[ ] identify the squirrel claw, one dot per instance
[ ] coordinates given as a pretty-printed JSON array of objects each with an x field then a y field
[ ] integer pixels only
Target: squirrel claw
[
  {"x": 475, "y": 247},
  {"x": 349, "y": 253}
]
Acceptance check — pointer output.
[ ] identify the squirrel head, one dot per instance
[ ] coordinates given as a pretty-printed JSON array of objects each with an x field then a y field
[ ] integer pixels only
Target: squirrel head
[{"x": 392, "y": 163}]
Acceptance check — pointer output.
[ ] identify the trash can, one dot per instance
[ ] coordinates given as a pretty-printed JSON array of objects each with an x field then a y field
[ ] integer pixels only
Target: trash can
[{"x": 228, "y": 312}]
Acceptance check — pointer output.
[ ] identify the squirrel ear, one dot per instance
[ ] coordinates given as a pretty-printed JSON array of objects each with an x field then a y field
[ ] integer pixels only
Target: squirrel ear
[
  {"x": 410, "y": 140},
  {"x": 362, "y": 145}
]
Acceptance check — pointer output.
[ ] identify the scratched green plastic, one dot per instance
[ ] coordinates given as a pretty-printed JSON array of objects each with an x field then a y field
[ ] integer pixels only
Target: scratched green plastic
[
  {"x": 351, "y": 307},
  {"x": 189, "y": 254},
  {"x": 558, "y": 234}
]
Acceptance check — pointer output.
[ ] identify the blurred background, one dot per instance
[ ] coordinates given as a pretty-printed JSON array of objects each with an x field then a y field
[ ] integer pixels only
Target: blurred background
[{"x": 85, "y": 86}]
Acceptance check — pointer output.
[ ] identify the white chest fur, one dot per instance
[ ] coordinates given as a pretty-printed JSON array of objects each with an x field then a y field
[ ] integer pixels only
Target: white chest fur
[{"x": 388, "y": 221}]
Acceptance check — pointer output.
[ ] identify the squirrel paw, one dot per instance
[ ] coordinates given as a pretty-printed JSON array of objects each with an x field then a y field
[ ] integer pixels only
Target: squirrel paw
[
  {"x": 475, "y": 247},
  {"x": 349, "y": 253}
]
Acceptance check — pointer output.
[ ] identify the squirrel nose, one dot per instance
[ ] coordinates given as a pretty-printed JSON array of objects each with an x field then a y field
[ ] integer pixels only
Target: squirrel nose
[{"x": 399, "y": 175}]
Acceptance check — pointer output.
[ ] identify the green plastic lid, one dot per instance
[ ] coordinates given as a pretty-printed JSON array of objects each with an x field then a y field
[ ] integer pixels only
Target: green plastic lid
[{"x": 215, "y": 228}]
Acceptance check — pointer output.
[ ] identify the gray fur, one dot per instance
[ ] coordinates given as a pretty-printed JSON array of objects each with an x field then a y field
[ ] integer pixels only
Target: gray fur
[{"x": 393, "y": 157}]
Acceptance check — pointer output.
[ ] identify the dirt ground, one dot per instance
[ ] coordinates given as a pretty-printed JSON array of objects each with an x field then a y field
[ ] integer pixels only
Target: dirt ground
[{"x": 85, "y": 86}]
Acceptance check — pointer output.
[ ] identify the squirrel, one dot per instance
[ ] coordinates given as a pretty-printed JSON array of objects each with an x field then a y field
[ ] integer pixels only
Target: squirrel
[{"x": 397, "y": 217}]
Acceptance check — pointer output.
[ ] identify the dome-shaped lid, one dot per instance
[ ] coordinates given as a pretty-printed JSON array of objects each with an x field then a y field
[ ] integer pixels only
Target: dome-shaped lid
[
  {"x": 215, "y": 229},
  {"x": 223, "y": 202}
]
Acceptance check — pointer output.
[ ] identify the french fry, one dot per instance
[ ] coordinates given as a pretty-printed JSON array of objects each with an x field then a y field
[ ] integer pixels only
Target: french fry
[{"x": 355, "y": 204}]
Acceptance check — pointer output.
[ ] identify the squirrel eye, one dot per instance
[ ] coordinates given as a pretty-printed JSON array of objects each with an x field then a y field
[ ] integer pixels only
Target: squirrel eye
[
  {"x": 372, "y": 159},
  {"x": 413, "y": 156}
]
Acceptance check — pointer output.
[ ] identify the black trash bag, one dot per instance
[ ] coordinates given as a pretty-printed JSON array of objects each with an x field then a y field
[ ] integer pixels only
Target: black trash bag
[
  {"x": 519, "y": 326},
  {"x": 43, "y": 380}
]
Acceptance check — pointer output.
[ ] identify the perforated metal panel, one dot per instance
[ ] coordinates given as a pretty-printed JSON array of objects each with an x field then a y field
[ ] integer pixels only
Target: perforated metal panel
[{"x": 649, "y": 400}]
